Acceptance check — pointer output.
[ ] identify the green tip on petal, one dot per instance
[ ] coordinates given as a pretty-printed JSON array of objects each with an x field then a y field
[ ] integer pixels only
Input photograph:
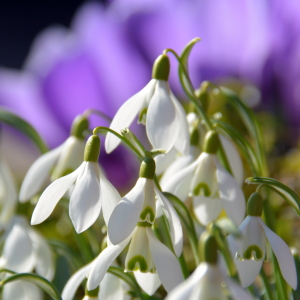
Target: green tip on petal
[
  {"x": 147, "y": 169},
  {"x": 203, "y": 97},
  {"x": 92, "y": 148},
  {"x": 211, "y": 142},
  {"x": 92, "y": 293},
  {"x": 255, "y": 205},
  {"x": 161, "y": 68},
  {"x": 208, "y": 248},
  {"x": 253, "y": 252},
  {"x": 202, "y": 189},
  {"x": 136, "y": 263},
  {"x": 79, "y": 126}
]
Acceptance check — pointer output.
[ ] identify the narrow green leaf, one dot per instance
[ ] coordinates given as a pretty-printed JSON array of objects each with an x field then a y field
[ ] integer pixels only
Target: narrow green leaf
[
  {"x": 24, "y": 127},
  {"x": 37, "y": 280},
  {"x": 284, "y": 191},
  {"x": 183, "y": 66}
]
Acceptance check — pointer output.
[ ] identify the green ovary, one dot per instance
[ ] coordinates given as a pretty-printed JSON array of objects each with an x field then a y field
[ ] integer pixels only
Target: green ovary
[
  {"x": 147, "y": 215},
  {"x": 202, "y": 189},
  {"x": 253, "y": 252}
]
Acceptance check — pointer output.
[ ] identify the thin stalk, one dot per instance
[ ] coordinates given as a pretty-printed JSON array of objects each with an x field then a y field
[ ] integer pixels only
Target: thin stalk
[{"x": 268, "y": 295}]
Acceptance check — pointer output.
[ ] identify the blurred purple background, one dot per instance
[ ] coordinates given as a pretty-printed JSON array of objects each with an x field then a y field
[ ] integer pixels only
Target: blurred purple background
[{"x": 96, "y": 55}]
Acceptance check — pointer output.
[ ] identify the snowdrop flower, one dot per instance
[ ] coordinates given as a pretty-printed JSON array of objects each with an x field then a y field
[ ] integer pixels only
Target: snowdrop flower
[
  {"x": 91, "y": 192},
  {"x": 158, "y": 109},
  {"x": 8, "y": 194},
  {"x": 25, "y": 251},
  {"x": 111, "y": 287},
  {"x": 139, "y": 205},
  {"x": 211, "y": 186},
  {"x": 60, "y": 161},
  {"x": 208, "y": 281},
  {"x": 146, "y": 257},
  {"x": 251, "y": 249}
]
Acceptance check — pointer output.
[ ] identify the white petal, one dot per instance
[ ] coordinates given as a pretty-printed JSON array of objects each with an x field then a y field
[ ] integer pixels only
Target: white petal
[
  {"x": 21, "y": 290},
  {"x": 185, "y": 289},
  {"x": 103, "y": 262},
  {"x": 125, "y": 115},
  {"x": 44, "y": 257},
  {"x": 180, "y": 183},
  {"x": 109, "y": 197},
  {"x": 85, "y": 204},
  {"x": 207, "y": 209},
  {"x": 111, "y": 288},
  {"x": 247, "y": 269},
  {"x": 182, "y": 143},
  {"x": 283, "y": 255},
  {"x": 232, "y": 195},
  {"x": 74, "y": 282},
  {"x": 234, "y": 159},
  {"x": 147, "y": 281},
  {"x": 167, "y": 265},
  {"x": 236, "y": 291},
  {"x": 162, "y": 123},
  {"x": 52, "y": 195},
  {"x": 126, "y": 214},
  {"x": 174, "y": 222},
  {"x": 38, "y": 173},
  {"x": 162, "y": 162},
  {"x": 18, "y": 250}
]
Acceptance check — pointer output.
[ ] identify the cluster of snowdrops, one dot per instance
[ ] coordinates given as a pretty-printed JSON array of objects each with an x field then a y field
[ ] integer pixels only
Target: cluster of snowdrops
[{"x": 184, "y": 231}]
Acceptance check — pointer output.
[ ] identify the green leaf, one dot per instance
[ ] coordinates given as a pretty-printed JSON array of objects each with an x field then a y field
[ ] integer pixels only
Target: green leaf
[
  {"x": 183, "y": 66},
  {"x": 24, "y": 127},
  {"x": 251, "y": 123},
  {"x": 284, "y": 191},
  {"x": 37, "y": 280}
]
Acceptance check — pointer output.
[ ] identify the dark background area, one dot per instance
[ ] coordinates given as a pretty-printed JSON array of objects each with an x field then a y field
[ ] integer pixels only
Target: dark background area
[{"x": 21, "y": 21}]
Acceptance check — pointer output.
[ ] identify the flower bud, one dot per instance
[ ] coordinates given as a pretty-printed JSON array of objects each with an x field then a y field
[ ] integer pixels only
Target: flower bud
[
  {"x": 161, "y": 68},
  {"x": 92, "y": 148},
  {"x": 79, "y": 126},
  {"x": 147, "y": 169},
  {"x": 211, "y": 142}
]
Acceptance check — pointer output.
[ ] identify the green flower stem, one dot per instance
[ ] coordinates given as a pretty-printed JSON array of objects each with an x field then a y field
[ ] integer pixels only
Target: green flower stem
[
  {"x": 84, "y": 247},
  {"x": 91, "y": 111},
  {"x": 268, "y": 295},
  {"x": 122, "y": 138}
]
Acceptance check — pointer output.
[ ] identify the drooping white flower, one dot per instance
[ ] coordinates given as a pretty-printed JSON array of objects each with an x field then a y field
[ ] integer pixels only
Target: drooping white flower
[
  {"x": 211, "y": 186},
  {"x": 25, "y": 251},
  {"x": 158, "y": 109},
  {"x": 208, "y": 280},
  {"x": 139, "y": 205},
  {"x": 146, "y": 254},
  {"x": 8, "y": 194},
  {"x": 92, "y": 191},
  {"x": 60, "y": 161},
  {"x": 250, "y": 249},
  {"x": 111, "y": 287}
]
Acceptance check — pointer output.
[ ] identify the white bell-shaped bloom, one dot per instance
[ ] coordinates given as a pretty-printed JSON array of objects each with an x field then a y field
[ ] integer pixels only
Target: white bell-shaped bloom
[
  {"x": 250, "y": 248},
  {"x": 250, "y": 251},
  {"x": 111, "y": 287},
  {"x": 212, "y": 188},
  {"x": 60, "y": 161},
  {"x": 91, "y": 192},
  {"x": 146, "y": 254},
  {"x": 158, "y": 109},
  {"x": 206, "y": 283},
  {"x": 139, "y": 205},
  {"x": 8, "y": 194}
]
